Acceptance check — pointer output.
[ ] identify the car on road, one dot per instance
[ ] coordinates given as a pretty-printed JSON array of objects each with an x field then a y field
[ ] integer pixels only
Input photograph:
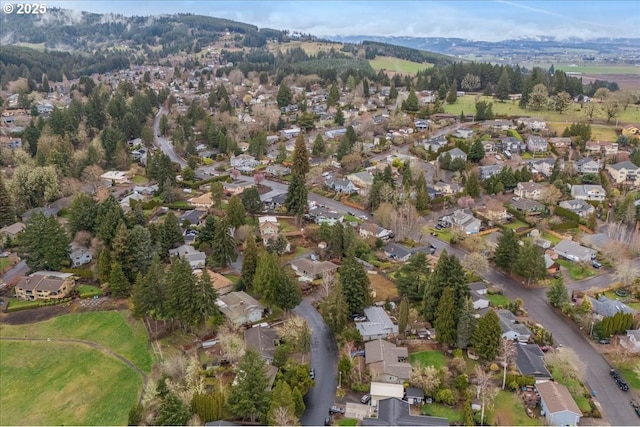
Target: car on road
[
  {"x": 336, "y": 410},
  {"x": 350, "y": 213},
  {"x": 636, "y": 407},
  {"x": 312, "y": 374},
  {"x": 364, "y": 217},
  {"x": 327, "y": 421},
  {"x": 622, "y": 384}
]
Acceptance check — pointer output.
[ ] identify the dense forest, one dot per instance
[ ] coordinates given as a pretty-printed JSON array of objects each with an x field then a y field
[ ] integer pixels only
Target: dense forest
[{"x": 372, "y": 49}]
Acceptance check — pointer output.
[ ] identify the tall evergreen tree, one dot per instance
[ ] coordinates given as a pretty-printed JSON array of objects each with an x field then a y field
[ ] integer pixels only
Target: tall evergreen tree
[
  {"x": 355, "y": 284},
  {"x": 205, "y": 298},
  {"x": 281, "y": 397},
  {"x": 235, "y": 212},
  {"x": 267, "y": 275},
  {"x": 411, "y": 278},
  {"x": 118, "y": 283},
  {"x": 445, "y": 322},
  {"x": 452, "y": 95},
  {"x": 104, "y": 265},
  {"x": 335, "y": 310},
  {"x": 170, "y": 233},
  {"x": 108, "y": 219},
  {"x": 182, "y": 304},
  {"x": 141, "y": 248},
  {"x": 300, "y": 157},
  {"x": 7, "y": 210},
  {"x": 422, "y": 194},
  {"x": 224, "y": 245},
  {"x": 472, "y": 186},
  {"x": 334, "y": 96},
  {"x": 448, "y": 273},
  {"x": 507, "y": 250},
  {"x": 466, "y": 324},
  {"x": 403, "y": 315},
  {"x": 297, "y": 195},
  {"x": 319, "y": 146},
  {"x": 284, "y": 95},
  {"x": 530, "y": 263},
  {"x": 43, "y": 243},
  {"x": 208, "y": 230},
  {"x": 557, "y": 294},
  {"x": 476, "y": 152},
  {"x": 251, "y": 200},
  {"x": 249, "y": 398},
  {"x": 503, "y": 89},
  {"x": 486, "y": 337}
]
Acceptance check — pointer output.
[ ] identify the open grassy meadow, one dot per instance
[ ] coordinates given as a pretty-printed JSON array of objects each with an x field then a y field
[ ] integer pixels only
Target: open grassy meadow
[
  {"x": 112, "y": 329},
  {"x": 46, "y": 383},
  {"x": 397, "y": 65}
]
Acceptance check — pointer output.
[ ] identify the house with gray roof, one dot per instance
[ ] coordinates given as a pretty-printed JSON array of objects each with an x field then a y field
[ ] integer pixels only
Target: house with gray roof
[
  {"x": 536, "y": 144},
  {"x": 435, "y": 143},
  {"x": 606, "y": 307},
  {"x": 323, "y": 215},
  {"x": 341, "y": 186},
  {"x": 464, "y": 220},
  {"x": 527, "y": 206},
  {"x": 263, "y": 340},
  {"x": 396, "y": 412},
  {"x": 378, "y": 324},
  {"x": 312, "y": 269},
  {"x": 588, "y": 165},
  {"x": 195, "y": 258},
  {"x": 530, "y": 361},
  {"x": 542, "y": 166},
  {"x": 558, "y": 406},
  {"x": 455, "y": 153},
  {"x": 386, "y": 362},
  {"x": 511, "y": 329},
  {"x": 488, "y": 171},
  {"x": 588, "y": 192},
  {"x": 579, "y": 207},
  {"x": 240, "y": 308},
  {"x": 625, "y": 172},
  {"x": 573, "y": 251},
  {"x": 397, "y": 251}
]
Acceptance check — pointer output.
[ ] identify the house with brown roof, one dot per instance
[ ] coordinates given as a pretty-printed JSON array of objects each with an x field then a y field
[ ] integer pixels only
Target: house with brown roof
[
  {"x": 557, "y": 405},
  {"x": 12, "y": 230},
  {"x": 204, "y": 201},
  {"x": 386, "y": 362},
  {"x": 631, "y": 131},
  {"x": 222, "y": 285},
  {"x": 44, "y": 285}
]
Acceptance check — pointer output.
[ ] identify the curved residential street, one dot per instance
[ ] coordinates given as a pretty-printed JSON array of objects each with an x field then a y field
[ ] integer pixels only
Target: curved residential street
[
  {"x": 324, "y": 359},
  {"x": 163, "y": 142}
]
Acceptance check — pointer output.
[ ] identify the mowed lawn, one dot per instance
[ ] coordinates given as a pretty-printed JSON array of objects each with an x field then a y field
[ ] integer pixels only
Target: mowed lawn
[
  {"x": 383, "y": 287},
  {"x": 389, "y": 63},
  {"x": 46, "y": 383},
  {"x": 509, "y": 411},
  {"x": 428, "y": 358},
  {"x": 113, "y": 329}
]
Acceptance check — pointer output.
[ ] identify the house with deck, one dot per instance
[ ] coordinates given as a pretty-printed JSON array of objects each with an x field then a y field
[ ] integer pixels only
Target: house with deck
[{"x": 386, "y": 362}]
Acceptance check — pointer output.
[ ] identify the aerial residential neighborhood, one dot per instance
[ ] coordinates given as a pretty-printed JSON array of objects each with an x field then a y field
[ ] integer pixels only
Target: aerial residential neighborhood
[{"x": 211, "y": 223}]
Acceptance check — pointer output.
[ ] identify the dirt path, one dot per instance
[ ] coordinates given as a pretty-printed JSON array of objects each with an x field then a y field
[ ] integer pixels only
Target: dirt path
[{"x": 91, "y": 344}]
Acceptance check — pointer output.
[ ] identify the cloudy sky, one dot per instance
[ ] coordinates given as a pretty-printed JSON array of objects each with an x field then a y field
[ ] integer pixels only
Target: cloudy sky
[{"x": 476, "y": 20}]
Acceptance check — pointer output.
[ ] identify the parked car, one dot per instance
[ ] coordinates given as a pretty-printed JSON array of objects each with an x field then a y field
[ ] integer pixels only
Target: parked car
[
  {"x": 365, "y": 399},
  {"x": 336, "y": 410},
  {"x": 312, "y": 374},
  {"x": 596, "y": 264},
  {"x": 605, "y": 341},
  {"x": 327, "y": 421},
  {"x": 636, "y": 407},
  {"x": 5, "y": 254},
  {"x": 360, "y": 319}
]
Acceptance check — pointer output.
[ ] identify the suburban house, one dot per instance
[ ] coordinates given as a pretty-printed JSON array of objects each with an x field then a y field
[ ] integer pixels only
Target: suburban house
[
  {"x": 631, "y": 341},
  {"x": 478, "y": 295},
  {"x": 380, "y": 391},
  {"x": 323, "y": 215},
  {"x": 47, "y": 212},
  {"x": 579, "y": 207},
  {"x": 397, "y": 252},
  {"x": 396, "y": 412},
  {"x": 455, "y": 153},
  {"x": 362, "y": 179},
  {"x": 269, "y": 228},
  {"x": 542, "y": 166},
  {"x": 290, "y": 133},
  {"x": 80, "y": 256},
  {"x": 588, "y": 192},
  {"x": 378, "y": 324},
  {"x": 341, "y": 186},
  {"x": 605, "y": 148},
  {"x": 222, "y": 285},
  {"x": 195, "y": 258},
  {"x": 44, "y": 285},
  {"x": 435, "y": 143},
  {"x": 532, "y": 123},
  {"x": 495, "y": 213},
  {"x": 414, "y": 396},
  {"x": 240, "y": 308},
  {"x": 464, "y": 220},
  {"x": 312, "y": 269},
  {"x": 511, "y": 144},
  {"x": 204, "y": 201},
  {"x": 275, "y": 202},
  {"x": 536, "y": 144},
  {"x": 192, "y": 217},
  {"x": 606, "y": 307},
  {"x": 278, "y": 170},
  {"x": 236, "y": 188},
  {"x": 529, "y": 190},
  {"x": 488, "y": 171},
  {"x": 558, "y": 406},
  {"x": 464, "y": 133},
  {"x": 503, "y": 125},
  {"x": 12, "y": 230},
  {"x": 244, "y": 162},
  {"x": 447, "y": 188},
  {"x": 125, "y": 203},
  {"x": 386, "y": 362},
  {"x": 588, "y": 165},
  {"x": 370, "y": 229},
  {"x": 530, "y": 361},
  {"x": 146, "y": 190},
  {"x": 263, "y": 340},
  {"x": 511, "y": 329},
  {"x": 560, "y": 142},
  {"x": 118, "y": 177},
  {"x": 625, "y": 172},
  {"x": 528, "y": 207},
  {"x": 573, "y": 251}
]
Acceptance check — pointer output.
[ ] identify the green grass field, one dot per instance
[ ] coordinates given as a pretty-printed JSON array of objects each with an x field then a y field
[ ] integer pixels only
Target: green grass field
[
  {"x": 111, "y": 329},
  {"x": 517, "y": 224},
  {"x": 598, "y": 69},
  {"x": 498, "y": 300},
  {"x": 4, "y": 263},
  {"x": 397, "y": 65},
  {"x": 46, "y": 383},
  {"x": 428, "y": 358},
  {"x": 632, "y": 375},
  {"x": 509, "y": 411},
  {"x": 467, "y": 103},
  {"x": 575, "y": 269},
  {"x": 440, "y": 410},
  {"x": 36, "y": 46},
  {"x": 348, "y": 422}
]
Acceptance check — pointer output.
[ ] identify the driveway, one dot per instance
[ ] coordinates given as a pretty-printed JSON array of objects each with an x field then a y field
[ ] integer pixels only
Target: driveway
[
  {"x": 324, "y": 359},
  {"x": 614, "y": 402},
  {"x": 19, "y": 269}
]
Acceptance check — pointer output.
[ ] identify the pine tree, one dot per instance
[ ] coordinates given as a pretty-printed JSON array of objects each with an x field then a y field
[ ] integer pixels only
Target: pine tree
[
  {"x": 118, "y": 283},
  {"x": 108, "y": 219},
  {"x": 365, "y": 88},
  {"x": 486, "y": 337},
  {"x": 235, "y": 212},
  {"x": 298, "y": 401},
  {"x": 355, "y": 284},
  {"x": 557, "y": 294},
  {"x": 297, "y": 194},
  {"x": 171, "y": 234},
  {"x": 476, "y": 152},
  {"x": 281, "y": 397},
  {"x": 249, "y": 262},
  {"x": 334, "y": 96},
  {"x": 411, "y": 278},
  {"x": 251, "y": 200},
  {"x": 448, "y": 273},
  {"x": 104, "y": 266},
  {"x": 452, "y": 95},
  {"x": 411, "y": 105},
  {"x": 288, "y": 294},
  {"x": 141, "y": 248},
  {"x": 7, "y": 209},
  {"x": 530, "y": 263},
  {"x": 506, "y": 253},
  {"x": 403, "y": 315},
  {"x": 267, "y": 276},
  {"x": 207, "y": 232},
  {"x": 466, "y": 325},
  {"x": 249, "y": 398},
  {"x": 339, "y": 119},
  {"x": 445, "y": 322},
  {"x": 504, "y": 85},
  {"x": 300, "y": 157},
  {"x": 335, "y": 310},
  {"x": 205, "y": 298},
  {"x": 284, "y": 95},
  {"x": 224, "y": 245},
  {"x": 182, "y": 304},
  {"x": 422, "y": 194},
  {"x": 172, "y": 412},
  {"x": 43, "y": 243},
  {"x": 472, "y": 186},
  {"x": 121, "y": 251},
  {"x": 318, "y": 146}
]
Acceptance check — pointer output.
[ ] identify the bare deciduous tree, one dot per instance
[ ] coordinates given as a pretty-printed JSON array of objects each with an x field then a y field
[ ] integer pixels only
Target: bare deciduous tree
[
  {"x": 231, "y": 343},
  {"x": 506, "y": 352},
  {"x": 486, "y": 391},
  {"x": 283, "y": 417},
  {"x": 589, "y": 110},
  {"x": 426, "y": 378},
  {"x": 327, "y": 281},
  {"x": 476, "y": 262},
  {"x": 626, "y": 272}
]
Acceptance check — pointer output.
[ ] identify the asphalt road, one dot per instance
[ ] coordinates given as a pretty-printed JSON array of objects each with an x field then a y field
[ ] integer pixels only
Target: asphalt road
[
  {"x": 164, "y": 143},
  {"x": 17, "y": 270},
  {"x": 614, "y": 402},
  {"x": 324, "y": 359}
]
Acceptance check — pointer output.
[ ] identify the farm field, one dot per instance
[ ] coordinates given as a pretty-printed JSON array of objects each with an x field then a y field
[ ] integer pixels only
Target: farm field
[
  {"x": 592, "y": 68},
  {"x": 397, "y": 65},
  {"x": 45, "y": 383},
  {"x": 112, "y": 329},
  {"x": 466, "y": 104}
]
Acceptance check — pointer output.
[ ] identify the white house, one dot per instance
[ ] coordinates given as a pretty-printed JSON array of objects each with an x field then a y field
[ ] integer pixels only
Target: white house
[
  {"x": 588, "y": 165},
  {"x": 342, "y": 186},
  {"x": 244, "y": 162},
  {"x": 573, "y": 251},
  {"x": 529, "y": 190},
  {"x": 588, "y": 192},
  {"x": 511, "y": 329},
  {"x": 240, "y": 308},
  {"x": 579, "y": 207},
  {"x": 558, "y": 407},
  {"x": 536, "y": 144},
  {"x": 118, "y": 177},
  {"x": 81, "y": 256},
  {"x": 290, "y": 133},
  {"x": 625, "y": 172},
  {"x": 381, "y": 391}
]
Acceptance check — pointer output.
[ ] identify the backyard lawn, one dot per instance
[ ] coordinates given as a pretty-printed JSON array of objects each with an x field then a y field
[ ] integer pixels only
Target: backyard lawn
[
  {"x": 112, "y": 329},
  {"x": 348, "y": 422},
  {"x": 517, "y": 224},
  {"x": 509, "y": 411},
  {"x": 428, "y": 358},
  {"x": 576, "y": 271},
  {"x": 498, "y": 300},
  {"x": 439, "y": 410},
  {"x": 45, "y": 383},
  {"x": 88, "y": 291},
  {"x": 383, "y": 287}
]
